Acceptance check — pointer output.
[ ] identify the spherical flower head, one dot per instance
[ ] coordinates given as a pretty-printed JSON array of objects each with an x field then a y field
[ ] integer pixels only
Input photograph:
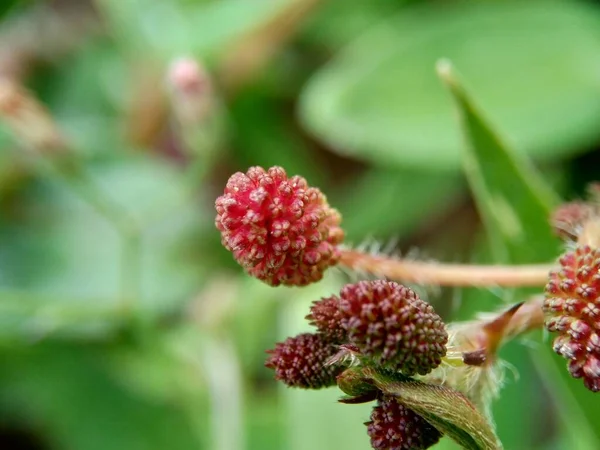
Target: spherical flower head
[
  {"x": 572, "y": 309},
  {"x": 325, "y": 314},
  {"x": 279, "y": 229},
  {"x": 390, "y": 324},
  {"x": 301, "y": 362},
  {"x": 395, "y": 427}
]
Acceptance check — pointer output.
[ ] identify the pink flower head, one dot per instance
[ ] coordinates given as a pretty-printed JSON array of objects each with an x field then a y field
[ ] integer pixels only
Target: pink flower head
[{"x": 279, "y": 229}]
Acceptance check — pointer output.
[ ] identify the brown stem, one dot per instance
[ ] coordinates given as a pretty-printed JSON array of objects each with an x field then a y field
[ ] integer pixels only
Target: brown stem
[{"x": 447, "y": 274}]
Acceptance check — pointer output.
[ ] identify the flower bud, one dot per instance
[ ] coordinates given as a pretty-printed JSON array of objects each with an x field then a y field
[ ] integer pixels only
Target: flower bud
[
  {"x": 279, "y": 229},
  {"x": 395, "y": 328},
  {"x": 572, "y": 309},
  {"x": 395, "y": 427},
  {"x": 301, "y": 362}
]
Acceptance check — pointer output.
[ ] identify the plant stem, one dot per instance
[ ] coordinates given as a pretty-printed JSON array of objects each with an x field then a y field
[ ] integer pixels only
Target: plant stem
[{"x": 446, "y": 274}]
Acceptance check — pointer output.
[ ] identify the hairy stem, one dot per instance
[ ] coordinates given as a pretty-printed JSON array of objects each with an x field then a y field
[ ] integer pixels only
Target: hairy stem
[{"x": 446, "y": 274}]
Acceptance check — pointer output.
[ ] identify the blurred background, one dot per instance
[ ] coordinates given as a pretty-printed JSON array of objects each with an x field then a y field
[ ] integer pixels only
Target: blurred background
[{"x": 123, "y": 322}]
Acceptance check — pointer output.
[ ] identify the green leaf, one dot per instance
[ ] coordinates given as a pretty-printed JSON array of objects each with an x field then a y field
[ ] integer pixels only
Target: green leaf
[
  {"x": 201, "y": 28},
  {"x": 25, "y": 317},
  {"x": 62, "y": 270},
  {"x": 533, "y": 64},
  {"x": 269, "y": 139},
  {"x": 515, "y": 204},
  {"x": 335, "y": 23},
  {"x": 448, "y": 410},
  {"x": 513, "y": 199}
]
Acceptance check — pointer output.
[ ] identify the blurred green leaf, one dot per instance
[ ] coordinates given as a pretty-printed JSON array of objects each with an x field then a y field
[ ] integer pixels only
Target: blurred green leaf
[
  {"x": 75, "y": 260},
  {"x": 533, "y": 64},
  {"x": 317, "y": 421},
  {"x": 202, "y": 28},
  {"x": 393, "y": 202},
  {"x": 30, "y": 318},
  {"x": 336, "y": 23},
  {"x": 65, "y": 392},
  {"x": 503, "y": 182},
  {"x": 264, "y": 136},
  {"x": 7, "y": 6}
]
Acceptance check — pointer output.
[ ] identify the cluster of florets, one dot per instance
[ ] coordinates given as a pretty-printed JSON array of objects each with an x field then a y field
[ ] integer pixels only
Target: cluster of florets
[
  {"x": 279, "y": 229},
  {"x": 380, "y": 323},
  {"x": 572, "y": 308}
]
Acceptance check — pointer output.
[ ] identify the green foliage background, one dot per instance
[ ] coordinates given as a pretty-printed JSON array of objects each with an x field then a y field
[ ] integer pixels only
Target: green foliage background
[{"x": 125, "y": 324}]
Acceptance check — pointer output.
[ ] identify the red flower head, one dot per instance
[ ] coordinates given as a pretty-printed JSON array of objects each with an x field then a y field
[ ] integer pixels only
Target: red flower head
[
  {"x": 392, "y": 325},
  {"x": 301, "y": 362},
  {"x": 572, "y": 308},
  {"x": 395, "y": 427},
  {"x": 280, "y": 230}
]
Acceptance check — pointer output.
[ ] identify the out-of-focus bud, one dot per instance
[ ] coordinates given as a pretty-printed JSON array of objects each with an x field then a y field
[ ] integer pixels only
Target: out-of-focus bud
[{"x": 191, "y": 90}]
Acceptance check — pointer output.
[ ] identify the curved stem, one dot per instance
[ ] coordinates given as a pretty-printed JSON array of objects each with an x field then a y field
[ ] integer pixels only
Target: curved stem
[{"x": 447, "y": 274}]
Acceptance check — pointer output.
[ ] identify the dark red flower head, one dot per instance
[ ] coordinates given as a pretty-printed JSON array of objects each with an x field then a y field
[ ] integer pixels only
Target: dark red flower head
[
  {"x": 280, "y": 230},
  {"x": 326, "y": 316},
  {"x": 572, "y": 308},
  {"x": 301, "y": 362},
  {"x": 395, "y": 427},
  {"x": 391, "y": 324}
]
